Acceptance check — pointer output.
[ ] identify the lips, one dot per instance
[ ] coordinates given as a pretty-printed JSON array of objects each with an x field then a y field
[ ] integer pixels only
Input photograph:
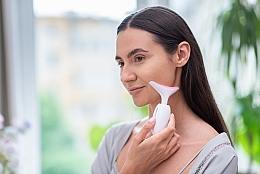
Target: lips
[{"x": 135, "y": 90}]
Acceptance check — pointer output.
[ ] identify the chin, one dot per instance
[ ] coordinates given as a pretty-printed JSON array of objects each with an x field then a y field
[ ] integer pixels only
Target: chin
[{"x": 140, "y": 104}]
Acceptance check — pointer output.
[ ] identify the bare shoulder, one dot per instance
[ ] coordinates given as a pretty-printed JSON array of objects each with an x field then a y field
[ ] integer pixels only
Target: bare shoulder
[{"x": 204, "y": 131}]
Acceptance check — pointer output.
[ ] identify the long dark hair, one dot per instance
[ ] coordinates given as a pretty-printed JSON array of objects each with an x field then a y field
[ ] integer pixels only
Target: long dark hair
[{"x": 169, "y": 29}]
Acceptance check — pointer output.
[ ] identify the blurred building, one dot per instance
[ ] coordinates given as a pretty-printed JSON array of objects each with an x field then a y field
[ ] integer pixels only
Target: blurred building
[
  {"x": 75, "y": 58},
  {"x": 145, "y": 3}
]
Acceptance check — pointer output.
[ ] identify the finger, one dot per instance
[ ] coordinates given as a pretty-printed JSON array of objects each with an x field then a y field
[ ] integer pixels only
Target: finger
[
  {"x": 174, "y": 140},
  {"x": 173, "y": 145},
  {"x": 171, "y": 122},
  {"x": 174, "y": 149},
  {"x": 149, "y": 135},
  {"x": 171, "y": 126},
  {"x": 140, "y": 136},
  {"x": 167, "y": 132}
]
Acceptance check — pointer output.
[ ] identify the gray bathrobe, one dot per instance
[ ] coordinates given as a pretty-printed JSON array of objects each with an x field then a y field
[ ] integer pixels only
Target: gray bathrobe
[{"x": 216, "y": 157}]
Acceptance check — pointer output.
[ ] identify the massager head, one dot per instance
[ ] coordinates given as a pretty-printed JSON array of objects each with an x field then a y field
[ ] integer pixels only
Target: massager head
[{"x": 164, "y": 91}]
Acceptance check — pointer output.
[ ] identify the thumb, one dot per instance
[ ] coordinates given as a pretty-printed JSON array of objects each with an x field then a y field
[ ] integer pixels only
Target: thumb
[
  {"x": 149, "y": 135},
  {"x": 149, "y": 125}
]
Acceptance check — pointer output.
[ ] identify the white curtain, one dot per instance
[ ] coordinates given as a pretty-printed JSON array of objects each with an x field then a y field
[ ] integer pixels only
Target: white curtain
[{"x": 18, "y": 99}]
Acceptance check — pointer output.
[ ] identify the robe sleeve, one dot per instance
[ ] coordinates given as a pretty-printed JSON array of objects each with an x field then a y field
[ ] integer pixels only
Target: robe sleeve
[
  {"x": 110, "y": 146},
  {"x": 102, "y": 162}
]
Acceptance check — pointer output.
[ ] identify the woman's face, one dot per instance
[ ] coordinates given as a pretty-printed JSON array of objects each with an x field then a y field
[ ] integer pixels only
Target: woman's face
[{"x": 142, "y": 60}]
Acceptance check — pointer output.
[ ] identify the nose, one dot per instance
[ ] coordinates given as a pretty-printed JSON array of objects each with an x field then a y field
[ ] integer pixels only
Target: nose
[{"x": 127, "y": 74}]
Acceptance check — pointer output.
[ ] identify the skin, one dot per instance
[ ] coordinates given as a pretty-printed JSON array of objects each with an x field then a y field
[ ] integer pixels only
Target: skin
[{"x": 141, "y": 60}]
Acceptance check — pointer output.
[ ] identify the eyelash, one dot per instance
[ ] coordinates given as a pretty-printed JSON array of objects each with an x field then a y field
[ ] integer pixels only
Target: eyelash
[
  {"x": 138, "y": 57},
  {"x": 120, "y": 64}
]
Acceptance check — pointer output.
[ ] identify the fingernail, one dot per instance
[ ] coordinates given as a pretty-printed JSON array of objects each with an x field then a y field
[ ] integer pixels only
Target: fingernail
[
  {"x": 172, "y": 114},
  {"x": 152, "y": 119}
]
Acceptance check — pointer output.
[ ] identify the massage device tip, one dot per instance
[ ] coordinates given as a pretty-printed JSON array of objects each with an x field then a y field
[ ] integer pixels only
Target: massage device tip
[{"x": 164, "y": 91}]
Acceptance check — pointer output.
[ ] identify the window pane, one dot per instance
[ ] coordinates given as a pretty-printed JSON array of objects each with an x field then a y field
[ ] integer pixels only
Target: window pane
[{"x": 78, "y": 83}]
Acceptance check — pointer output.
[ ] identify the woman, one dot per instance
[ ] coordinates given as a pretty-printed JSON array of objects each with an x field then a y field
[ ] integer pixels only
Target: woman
[{"x": 156, "y": 44}]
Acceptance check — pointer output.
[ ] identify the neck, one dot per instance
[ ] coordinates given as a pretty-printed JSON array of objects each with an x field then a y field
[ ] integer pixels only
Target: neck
[{"x": 184, "y": 116}]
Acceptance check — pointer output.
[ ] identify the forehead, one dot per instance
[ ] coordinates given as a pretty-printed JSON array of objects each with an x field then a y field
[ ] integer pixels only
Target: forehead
[{"x": 133, "y": 38}]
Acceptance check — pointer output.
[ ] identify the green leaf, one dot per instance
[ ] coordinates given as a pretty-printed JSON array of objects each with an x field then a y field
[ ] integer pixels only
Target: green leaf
[
  {"x": 96, "y": 134},
  {"x": 248, "y": 131}
]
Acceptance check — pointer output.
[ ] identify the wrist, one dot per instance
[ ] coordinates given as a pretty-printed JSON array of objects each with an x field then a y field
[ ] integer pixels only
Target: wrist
[
  {"x": 126, "y": 169},
  {"x": 131, "y": 168}
]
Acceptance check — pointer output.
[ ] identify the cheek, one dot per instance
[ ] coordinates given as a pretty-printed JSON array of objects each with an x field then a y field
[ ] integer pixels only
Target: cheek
[
  {"x": 148, "y": 96},
  {"x": 154, "y": 97},
  {"x": 163, "y": 74}
]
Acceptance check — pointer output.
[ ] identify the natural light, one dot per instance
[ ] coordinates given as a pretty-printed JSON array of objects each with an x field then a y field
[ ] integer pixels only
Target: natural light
[{"x": 61, "y": 89}]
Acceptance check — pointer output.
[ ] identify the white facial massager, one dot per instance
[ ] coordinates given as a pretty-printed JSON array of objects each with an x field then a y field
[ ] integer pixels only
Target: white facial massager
[{"x": 162, "y": 111}]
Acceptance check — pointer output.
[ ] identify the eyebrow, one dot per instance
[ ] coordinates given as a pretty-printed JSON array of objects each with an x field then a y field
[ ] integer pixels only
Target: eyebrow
[{"x": 134, "y": 51}]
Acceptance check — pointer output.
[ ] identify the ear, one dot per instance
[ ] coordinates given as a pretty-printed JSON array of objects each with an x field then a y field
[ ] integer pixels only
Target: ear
[{"x": 183, "y": 54}]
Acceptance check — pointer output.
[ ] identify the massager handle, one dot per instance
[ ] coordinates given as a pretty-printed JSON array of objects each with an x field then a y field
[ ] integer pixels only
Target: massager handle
[{"x": 162, "y": 115}]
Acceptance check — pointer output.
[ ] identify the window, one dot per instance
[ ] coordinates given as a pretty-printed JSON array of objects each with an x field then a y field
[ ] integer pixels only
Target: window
[{"x": 78, "y": 84}]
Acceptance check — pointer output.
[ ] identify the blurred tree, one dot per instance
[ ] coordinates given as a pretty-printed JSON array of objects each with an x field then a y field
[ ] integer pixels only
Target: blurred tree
[
  {"x": 96, "y": 134},
  {"x": 58, "y": 155},
  {"x": 97, "y": 131},
  {"x": 240, "y": 35}
]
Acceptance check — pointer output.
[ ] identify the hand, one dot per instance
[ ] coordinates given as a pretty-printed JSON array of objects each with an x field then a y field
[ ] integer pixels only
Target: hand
[{"x": 147, "y": 151}]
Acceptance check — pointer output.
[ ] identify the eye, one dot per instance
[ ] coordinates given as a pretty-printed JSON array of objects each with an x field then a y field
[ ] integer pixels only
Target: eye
[
  {"x": 120, "y": 63},
  {"x": 139, "y": 58}
]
